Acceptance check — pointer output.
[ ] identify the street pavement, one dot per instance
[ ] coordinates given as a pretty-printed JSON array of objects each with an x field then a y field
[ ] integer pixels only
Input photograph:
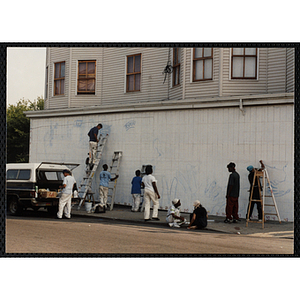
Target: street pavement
[{"x": 215, "y": 223}]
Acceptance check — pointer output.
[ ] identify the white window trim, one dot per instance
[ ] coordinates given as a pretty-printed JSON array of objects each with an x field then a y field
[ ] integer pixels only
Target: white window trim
[{"x": 230, "y": 64}]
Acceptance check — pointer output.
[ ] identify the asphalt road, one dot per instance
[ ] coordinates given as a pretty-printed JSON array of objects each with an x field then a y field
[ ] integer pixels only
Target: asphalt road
[{"x": 41, "y": 233}]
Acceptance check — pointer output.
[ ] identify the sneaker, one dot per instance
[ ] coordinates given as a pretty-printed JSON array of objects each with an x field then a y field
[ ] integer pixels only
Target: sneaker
[
  {"x": 156, "y": 219},
  {"x": 171, "y": 224},
  {"x": 227, "y": 221},
  {"x": 176, "y": 225}
]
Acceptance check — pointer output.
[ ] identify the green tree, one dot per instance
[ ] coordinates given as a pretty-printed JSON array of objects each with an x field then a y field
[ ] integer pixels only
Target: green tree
[{"x": 18, "y": 129}]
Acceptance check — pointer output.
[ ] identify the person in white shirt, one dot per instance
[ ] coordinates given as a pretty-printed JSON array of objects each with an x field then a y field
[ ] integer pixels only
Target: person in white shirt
[
  {"x": 64, "y": 205},
  {"x": 150, "y": 194},
  {"x": 173, "y": 216}
]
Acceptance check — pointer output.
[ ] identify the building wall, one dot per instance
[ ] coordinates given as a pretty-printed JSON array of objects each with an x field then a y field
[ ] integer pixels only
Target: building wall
[
  {"x": 189, "y": 150},
  {"x": 275, "y": 75}
]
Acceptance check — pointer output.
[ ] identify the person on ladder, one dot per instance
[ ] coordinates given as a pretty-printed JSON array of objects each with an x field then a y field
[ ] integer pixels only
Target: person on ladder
[
  {"x": 256, "y": 193},
  {"x": 93, "y": 134}
]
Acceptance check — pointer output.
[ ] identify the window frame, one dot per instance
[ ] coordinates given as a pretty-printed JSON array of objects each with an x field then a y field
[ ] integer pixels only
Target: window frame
[
  {"x": 86, "y": 92},
  {"x": 176, "y": 66},
  {"x": 133, "y": 73},
  {"x": 244, "y": 56},
  {"x": 203, "y": 58},
  {"x": 59, "y": 79}
]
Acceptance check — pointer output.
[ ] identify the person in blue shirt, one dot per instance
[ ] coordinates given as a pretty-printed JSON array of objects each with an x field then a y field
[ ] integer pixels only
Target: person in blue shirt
[
  {"x": 136, "y": 183},
  {"x": 93, "y": 143},
  {"x": 105, "y": 178}
]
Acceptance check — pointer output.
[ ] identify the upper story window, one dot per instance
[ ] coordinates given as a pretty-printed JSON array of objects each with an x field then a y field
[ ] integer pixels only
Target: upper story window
[
  {"x": 59, "y": 78},
  {"x": 133, "y": 73},
  {"x": 203, "y": 64},
  {"x": 176, "y": 66},
  {"x": 244, "y": 63},
  {"x": 86, "y": 77}
]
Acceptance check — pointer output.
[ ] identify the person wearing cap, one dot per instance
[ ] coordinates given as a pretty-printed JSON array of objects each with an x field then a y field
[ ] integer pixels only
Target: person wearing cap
[
  {"x": 64, "y": 205},
  {"x": 198, "y": 219},
  {"x": 232, "y": 195},
  {"x": 93, "y": 143},
  {"x": 256, "y": 193},
  {"x": 173, "y": 216}
]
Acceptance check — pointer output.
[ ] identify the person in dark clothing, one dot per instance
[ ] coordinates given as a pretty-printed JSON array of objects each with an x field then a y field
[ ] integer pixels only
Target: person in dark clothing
[
  {"x": 93, "y": 143},
  {"x": 198, "y": 219},
  {"x": 256, "y": 192},
  {"x": 232, "y": 195}
]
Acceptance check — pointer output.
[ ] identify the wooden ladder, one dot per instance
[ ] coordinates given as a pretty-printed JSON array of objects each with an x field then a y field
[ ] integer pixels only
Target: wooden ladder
[{"x": 266, "y": 185}]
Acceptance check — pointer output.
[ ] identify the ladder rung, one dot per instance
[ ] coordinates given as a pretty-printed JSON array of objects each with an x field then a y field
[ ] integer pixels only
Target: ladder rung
[
  {"x": 270, "y": 214},
  {"x": 269, "y": 205}
]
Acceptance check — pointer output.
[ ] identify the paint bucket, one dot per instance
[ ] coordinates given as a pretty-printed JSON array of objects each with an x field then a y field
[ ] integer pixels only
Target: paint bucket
[{"x": 88, "y": 206}]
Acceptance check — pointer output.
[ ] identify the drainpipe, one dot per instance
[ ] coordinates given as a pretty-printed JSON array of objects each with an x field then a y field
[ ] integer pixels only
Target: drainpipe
[
  {"x": 184, "y": 68},
  {"x": 241, "y": 107}
]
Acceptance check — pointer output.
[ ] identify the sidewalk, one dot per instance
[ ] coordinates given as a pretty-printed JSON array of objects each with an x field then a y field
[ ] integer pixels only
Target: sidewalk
[{"x": 215, "y": 223}]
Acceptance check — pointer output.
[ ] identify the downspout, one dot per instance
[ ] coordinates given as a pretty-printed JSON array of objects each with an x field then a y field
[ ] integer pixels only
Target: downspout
[
  {"x": 241, "y": 107},
  {"x": 184, "y": 69},
  {"x": 221, "y": 73},
  {"x": 70, "y": 74}
]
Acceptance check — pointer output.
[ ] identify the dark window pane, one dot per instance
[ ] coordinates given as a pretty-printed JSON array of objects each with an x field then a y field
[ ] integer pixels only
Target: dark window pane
[
  {"x": 82, "y": 68},
  {"x": 91, "y": 85},
  {"x": 56, "y": 71},
  {"x": 62, "y": 86},
  {"x": 12, "y": 174},
  {"x": 91, "y": 68},
  {"x": 81, "y": 85},
  {"x": 130, "y": 64},
  {"x": 137, "y": 65},
  {"x": 57, "y": 87},
  {"x": 130, "y": 79},
  {"x": 137, "y": 82},
  {"x": 62, "y": 70}
]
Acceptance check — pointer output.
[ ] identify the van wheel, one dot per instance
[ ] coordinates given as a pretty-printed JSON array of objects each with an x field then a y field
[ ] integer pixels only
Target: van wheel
[
  {"x": 52, "y": 210},
  {"x": 14, "y": 207}
]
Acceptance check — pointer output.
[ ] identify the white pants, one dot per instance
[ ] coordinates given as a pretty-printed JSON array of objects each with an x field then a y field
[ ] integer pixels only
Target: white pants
[
  {"x": 64, "y": 205},
  {"x": 148, "y": 196},
  {"x": 171, "y": 220},
  {"x": 136, "y": 202},
  {"x": 103, "y": 192},
  {"x": 93, "y": 149}
]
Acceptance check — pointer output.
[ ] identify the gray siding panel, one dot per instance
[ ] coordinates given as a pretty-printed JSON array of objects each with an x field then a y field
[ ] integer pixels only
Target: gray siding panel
[
  {"x": 58, "y": 55},
  {"x": 276, "y": 70},
  {"x": 290, "y": 70}
]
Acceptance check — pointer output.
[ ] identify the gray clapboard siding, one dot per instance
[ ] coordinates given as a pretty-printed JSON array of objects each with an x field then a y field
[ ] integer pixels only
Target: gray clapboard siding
[
  {"x": 58, "y": 55},
  {"x": 290, "y": 81},
  {"x": 276, "y": 70}
]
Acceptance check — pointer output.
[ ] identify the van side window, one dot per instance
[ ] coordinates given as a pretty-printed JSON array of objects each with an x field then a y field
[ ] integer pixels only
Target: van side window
[{"x": 18, "y": 174}]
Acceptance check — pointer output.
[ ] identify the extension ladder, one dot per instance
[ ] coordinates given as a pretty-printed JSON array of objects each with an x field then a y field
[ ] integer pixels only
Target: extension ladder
[
  {"x": 114, "y": 170},
  {"x": 86, "y": 183},
  {"x": 266, "y": 185}
]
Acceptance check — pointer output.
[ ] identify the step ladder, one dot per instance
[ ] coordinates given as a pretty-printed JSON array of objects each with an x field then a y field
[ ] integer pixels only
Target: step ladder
[
  {"x": 113, "y": 170},
  {"x": 86, "y": 183},
  {"x": 266, "y": 185}
]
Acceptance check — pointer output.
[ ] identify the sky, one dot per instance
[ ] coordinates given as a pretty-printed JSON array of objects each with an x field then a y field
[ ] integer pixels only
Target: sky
[{"x": 25, "y": 73}]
